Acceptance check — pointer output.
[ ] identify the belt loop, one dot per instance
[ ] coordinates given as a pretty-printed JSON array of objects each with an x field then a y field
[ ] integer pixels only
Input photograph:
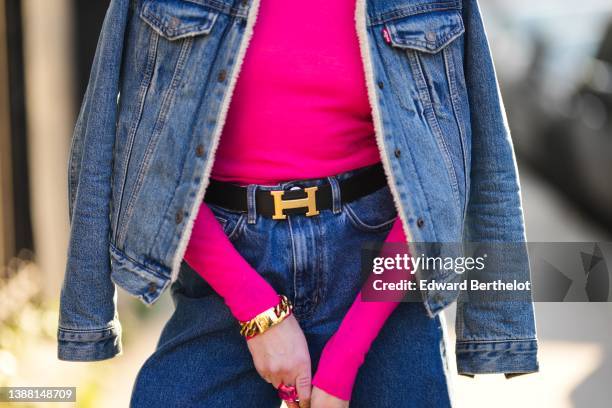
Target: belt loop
[
  {"x": 251, "y": 204},
  {"x": 336, "y": 199}
]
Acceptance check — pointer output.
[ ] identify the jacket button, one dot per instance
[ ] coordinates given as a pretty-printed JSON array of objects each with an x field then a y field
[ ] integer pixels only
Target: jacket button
[
  {"x": 199, "y": 150},
  {"x": 431, "y": 36},
  {"x": 222, "y": 75},
  {"x": 381, "y": 85},
  {"x": 179, "y": 216},
  {"x": 151, "y": 288},
  {"x": 174, "y": 22},
  {"x": 397, "y": 153},
  {"x": 420, "y": 222}
]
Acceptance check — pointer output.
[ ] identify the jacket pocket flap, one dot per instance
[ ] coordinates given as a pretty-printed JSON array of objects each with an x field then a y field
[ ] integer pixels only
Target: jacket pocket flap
[
  {"x": 175, "y": 19},
  {"x": 428, "y": 32}
]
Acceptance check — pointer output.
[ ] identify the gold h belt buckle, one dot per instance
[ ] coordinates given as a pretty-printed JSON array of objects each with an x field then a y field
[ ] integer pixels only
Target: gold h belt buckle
[{"x": 308, "y": 201}]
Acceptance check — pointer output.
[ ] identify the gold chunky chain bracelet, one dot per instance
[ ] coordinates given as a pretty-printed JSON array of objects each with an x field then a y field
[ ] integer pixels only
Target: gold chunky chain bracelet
[{"x": 267, "y": 318}]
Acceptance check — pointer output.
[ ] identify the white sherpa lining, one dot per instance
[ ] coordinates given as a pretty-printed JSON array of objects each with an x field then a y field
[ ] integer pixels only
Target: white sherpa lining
[
  {"x": 182, "y": 246},
  {"x": 362, "y": 34}
]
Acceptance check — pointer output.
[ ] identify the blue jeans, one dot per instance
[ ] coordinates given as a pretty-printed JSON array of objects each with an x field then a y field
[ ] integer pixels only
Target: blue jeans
[{"x": 202, "y": 361}]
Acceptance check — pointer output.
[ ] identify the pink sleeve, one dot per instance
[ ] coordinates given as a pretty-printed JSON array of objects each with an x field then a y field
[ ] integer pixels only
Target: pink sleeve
[
  {"x": 211, "y": 254},
  {"x": 345, "y": 351}
]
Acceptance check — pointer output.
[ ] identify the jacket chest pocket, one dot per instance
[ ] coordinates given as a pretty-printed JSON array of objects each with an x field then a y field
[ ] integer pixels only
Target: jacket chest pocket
[
  {"x": 176, "y": 19},
  {"x": 427, "y": 76}
]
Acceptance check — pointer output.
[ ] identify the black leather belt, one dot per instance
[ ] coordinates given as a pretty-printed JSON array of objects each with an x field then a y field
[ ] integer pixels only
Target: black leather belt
[{"x": 305, "y": 200}]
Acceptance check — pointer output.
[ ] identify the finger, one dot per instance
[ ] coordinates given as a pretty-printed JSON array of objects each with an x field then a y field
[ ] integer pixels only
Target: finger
[
  {"x": 276, "y": 382},
  {"x": 289, "y": 381},
  {"x": 280, "y": 374},
  {"x": 304, "y": 387}
]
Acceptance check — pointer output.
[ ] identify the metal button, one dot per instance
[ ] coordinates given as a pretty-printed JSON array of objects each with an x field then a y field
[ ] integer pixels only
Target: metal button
[
  {"x": 222, "y": 75},
  {"x": 397, "y": 153},
  {"x": 381, "y": 85},
  {"x": 431, "y": 36},
  {"x": 152, "y": 288},
  {"x": 199, "y": 150},
  {"x": 420, "y": 222},
  {"x": 179, "y": 216},
  {"x": 174, "y": 22}
]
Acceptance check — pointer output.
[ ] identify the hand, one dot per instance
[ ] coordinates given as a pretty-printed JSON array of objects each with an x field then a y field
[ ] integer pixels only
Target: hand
[
  {"x": 321, "y": 399},
  {"x": 281, "y": 355}
]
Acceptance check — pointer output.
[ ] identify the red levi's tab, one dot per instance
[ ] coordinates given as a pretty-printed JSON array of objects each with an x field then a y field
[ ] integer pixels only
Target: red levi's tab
[{"x": 386, "y": 35}]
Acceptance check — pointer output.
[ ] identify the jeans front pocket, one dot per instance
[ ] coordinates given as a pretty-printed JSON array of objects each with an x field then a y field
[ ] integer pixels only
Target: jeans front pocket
[
  {"x": 374, "y": 212},
  {"x": 231, "y": 221}
]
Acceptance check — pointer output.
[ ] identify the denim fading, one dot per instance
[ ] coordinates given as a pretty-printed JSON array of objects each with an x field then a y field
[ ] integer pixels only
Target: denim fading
[{"x": 157, "y": 98}]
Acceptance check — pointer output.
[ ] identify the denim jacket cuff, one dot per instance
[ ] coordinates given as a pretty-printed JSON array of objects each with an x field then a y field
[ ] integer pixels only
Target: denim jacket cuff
[
  {"x": 511, "y": 357},
  {"x": 89, "y": 344}
]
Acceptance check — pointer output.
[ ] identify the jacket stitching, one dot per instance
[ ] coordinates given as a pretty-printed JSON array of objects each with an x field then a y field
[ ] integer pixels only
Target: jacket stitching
[
  {"x": 410, "y": 10},
  {"x": 430, "y": 114},
  {"x": 161, "y": 28},
  {"x": 527, "y": 340},
  {"x": 152, "y": 269},
  {"x": 142, "y": 94},
  {"x": 452, "y": 84},
  {"x": 75, "y": 150},
  {"x": 157, "y": 130},
  {"x": 429, "y": 46},
  {"x": 222, "y": 7},
  {"x": 97, "y": 330}
]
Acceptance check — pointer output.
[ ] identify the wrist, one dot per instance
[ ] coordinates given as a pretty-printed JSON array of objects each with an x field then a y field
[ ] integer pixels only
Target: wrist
[
  {"x": 337, "y": 370},
  {"x": 253, "y": 302},
  {"x": 267, "y": 319}
]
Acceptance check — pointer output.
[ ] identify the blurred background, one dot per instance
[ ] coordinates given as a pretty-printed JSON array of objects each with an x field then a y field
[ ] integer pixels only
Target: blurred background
[{"x": 554, "y": 61}]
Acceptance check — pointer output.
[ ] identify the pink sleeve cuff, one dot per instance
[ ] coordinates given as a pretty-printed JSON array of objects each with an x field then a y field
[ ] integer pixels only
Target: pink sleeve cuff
[{"x": 337, "y": 370}]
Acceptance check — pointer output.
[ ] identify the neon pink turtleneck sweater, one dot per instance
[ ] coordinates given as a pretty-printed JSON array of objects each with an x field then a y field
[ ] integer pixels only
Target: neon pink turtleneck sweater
[{"x": 299, "y": 110}]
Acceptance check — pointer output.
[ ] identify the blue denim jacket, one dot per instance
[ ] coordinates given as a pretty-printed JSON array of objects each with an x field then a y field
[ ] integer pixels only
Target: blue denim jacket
[{"x": 157, "y": 98}]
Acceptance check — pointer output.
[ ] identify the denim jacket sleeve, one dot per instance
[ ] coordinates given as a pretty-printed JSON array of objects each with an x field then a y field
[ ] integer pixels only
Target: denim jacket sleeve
[
  {"x": 88, "y": 325},
  {"x": 501, "y": 336}
]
